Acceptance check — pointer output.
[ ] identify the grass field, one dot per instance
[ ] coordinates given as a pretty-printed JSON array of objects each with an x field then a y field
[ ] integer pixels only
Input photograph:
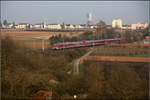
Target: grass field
[{"x": 121, "y": 51}]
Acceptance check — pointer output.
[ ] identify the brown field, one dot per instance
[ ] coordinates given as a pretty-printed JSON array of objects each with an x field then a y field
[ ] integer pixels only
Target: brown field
[
  {"x": 35, "y": 45},
  {"x": 114, "y": 58},
  {"x": 34, "y": 35},
  {"x": 28, "y": 35}
]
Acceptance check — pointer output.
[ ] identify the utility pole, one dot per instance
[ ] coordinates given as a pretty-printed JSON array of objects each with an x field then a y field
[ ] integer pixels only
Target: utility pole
[
  {"x": 34, "y": 43},
  {"x": 43, "y": 45},
  {"x": 101, "y": 32},
  {"x": 63, "y": 41}
]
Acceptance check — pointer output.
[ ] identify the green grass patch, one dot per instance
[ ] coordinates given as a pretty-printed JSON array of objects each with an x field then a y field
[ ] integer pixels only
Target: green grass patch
[
  {"x": 142, "y": 55},
  {"x": 81, "y": 69},
  {"x": 128, "y": 52},
  {"x": 137, "y": 55}
]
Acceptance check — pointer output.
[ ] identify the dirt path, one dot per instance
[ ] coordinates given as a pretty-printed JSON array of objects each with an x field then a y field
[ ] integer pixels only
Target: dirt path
[{"x": 77, "y": 62}]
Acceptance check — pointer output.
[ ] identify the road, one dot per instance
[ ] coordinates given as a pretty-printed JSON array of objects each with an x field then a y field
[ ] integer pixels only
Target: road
[{"x": 77, "y": 62}]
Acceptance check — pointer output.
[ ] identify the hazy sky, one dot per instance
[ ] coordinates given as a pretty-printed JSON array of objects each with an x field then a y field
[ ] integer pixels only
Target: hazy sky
[{"x": 74, "y": 12}]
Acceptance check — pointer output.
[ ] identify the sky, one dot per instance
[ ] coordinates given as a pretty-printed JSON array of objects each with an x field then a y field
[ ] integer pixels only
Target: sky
[{"x": 74, "y": 12}]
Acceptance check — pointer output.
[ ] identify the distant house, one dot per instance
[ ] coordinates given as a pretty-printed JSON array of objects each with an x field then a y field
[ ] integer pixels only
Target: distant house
[
  {"x": 93, "y": 26},
  {"x": 53, "y": 26},
  {"x": 138, "y": 26},
  {"x": 79, "y": 26},
  {"x": 4, "y": 26},
  {"x": 126, "y": 27},
  {"x": 29, "y": 26},
  {"x": 69, "y": 26},
  {"x": 46, "y": 95},
  {"x": 21, "y": 26},
  {"x": 10, "y": 25},
  {"x": 38, "y": 26}
]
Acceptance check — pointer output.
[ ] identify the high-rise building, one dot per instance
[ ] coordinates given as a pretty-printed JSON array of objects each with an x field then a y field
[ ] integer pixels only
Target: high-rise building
[
  {"x": 89, "y": 18},
  {"x": 117, "y": 23}
]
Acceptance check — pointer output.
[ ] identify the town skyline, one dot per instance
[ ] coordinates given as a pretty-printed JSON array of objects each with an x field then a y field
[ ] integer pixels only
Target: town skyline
[
  {"x": 116, "y": 23},
  {"x": 74, "y": 12}
]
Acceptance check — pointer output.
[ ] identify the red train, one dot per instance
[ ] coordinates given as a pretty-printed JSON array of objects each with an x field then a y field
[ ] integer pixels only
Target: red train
[{"x": 86, "y": 43}]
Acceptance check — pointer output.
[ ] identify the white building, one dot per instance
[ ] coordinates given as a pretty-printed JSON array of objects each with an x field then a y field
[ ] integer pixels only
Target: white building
[
  {"x": 69, "y": 26},
  {"x": 7, "y": 26},
  {"x": 21, "y": 26},
  {"x": 10, "y": 25},
  {"x": 53, "y": 26},
  {"x": 79, "y": 27},
  {"x": 38, "y": 26},
  {"x": 138, "y": 26},
  {"x": 93, "y": 26},
  {"x": 126, "y": 27},
  {"x": 117, "y": 23}
]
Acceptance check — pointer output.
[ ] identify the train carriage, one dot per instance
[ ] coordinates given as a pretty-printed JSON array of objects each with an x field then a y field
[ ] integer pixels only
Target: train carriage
[{"x": 87, "y": 43}]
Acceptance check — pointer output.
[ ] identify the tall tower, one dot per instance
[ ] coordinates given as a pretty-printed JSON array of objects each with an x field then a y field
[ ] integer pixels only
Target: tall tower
[{"x": 89, "y": 18}]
